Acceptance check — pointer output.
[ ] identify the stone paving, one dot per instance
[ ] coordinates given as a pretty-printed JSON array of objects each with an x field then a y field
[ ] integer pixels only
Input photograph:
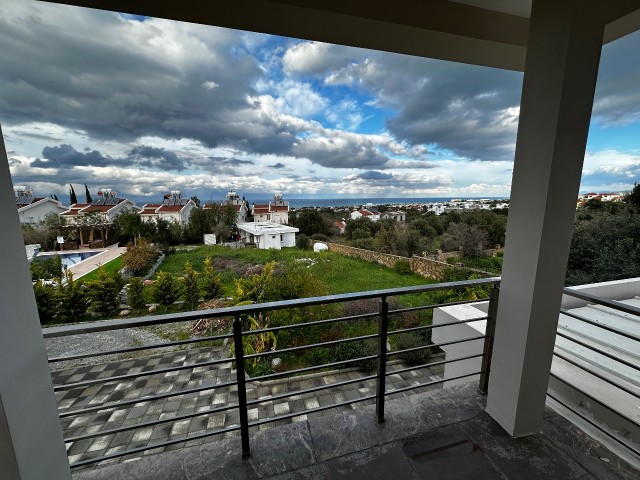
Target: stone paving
[
  {"x": 96, "y": 261},
  {"x": 217, "y": 391}
]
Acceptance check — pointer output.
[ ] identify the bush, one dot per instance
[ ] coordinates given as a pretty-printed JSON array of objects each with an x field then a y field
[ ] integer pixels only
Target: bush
[
  {"x": 320, "y": 237},
  {"x": 135, "y": 295},
  {"x": 165, "y": 291},
  {"x": 191, "y": 290},
  {"x": 212, "y": 282},
  {"x": 302, "y": 242},
  {"x": 46, "y": 301},
  {"x": 402, "y": 267},
  {"x": 71, "y": 301},
  {"x": 46, "y": 268},
  {"x": 139, "y": 258},
  {"x": 357, "y": 349},
  {"x": 104, "y": 292},
  {"x": 416, "y": 357}
]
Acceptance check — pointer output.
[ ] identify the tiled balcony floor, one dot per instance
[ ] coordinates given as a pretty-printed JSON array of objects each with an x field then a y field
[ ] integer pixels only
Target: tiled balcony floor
[
  {"x": 442, "y": 434},
  {"x": 215, "y": 397}
]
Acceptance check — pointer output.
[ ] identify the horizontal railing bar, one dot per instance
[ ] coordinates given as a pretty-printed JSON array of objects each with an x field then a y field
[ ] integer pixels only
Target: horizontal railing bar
[
  {"x": 600, "y": 325},
  {"x": 598, "y": 375},
  {"x": 433, "y": 382},
  {"x": 85, "y": 383},
  {"x": 311, "y": 324},
  {"x": 593, "y": 424},
  {"x": 101, "y": 326},
  {"x": 437, "y": 305},
  {"x": 104, "y": 433},
  {"x": 310, "y": 390},
  {"x": 430, "y": 327},
  {"x": 433, "y": 364},
  {"x": 433, "y": 345},
  {"x": 311, "y": 410},
  {"x": 311, "y": 345},
  {"x": 155, "y": 445},
  {"x": 143, "y": 347},
  {"x": 309, "y": 369},
  {"x": 148, "y": 398},
  {"x": 589, "y": 297},
  {"x": 588, "y": 395},
  {"x": 598, "y": 350}
]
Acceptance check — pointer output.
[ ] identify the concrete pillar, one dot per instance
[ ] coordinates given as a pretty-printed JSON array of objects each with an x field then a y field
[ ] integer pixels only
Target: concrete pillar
[
  {"x": 561, "y": 67},
  {"x": 31, "y": 445}
]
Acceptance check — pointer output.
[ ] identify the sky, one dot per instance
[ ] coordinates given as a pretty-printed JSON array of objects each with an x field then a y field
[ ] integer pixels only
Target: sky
[{"x": 146, "y": 105}]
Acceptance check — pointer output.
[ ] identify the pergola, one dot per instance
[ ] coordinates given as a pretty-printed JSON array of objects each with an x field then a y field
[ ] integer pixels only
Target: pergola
[{"x": 557, "y": 43}]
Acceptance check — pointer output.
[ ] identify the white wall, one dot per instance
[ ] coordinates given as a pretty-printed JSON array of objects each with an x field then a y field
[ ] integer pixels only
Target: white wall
[
  {"x": 289, "y": 239},
  {"x": 36, "y": 213}
]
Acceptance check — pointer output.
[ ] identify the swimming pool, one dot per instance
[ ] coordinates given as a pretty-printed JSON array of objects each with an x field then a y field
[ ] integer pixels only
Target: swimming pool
[{"x": 70, "y": 258}]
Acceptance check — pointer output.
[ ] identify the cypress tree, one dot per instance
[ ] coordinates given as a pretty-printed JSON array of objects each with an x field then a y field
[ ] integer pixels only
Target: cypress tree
[
  {"x": 72, "y": 195},
  {"x": 87, "y": 194}
]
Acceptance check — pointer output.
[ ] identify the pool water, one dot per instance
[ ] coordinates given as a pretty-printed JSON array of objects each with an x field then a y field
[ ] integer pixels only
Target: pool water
[{"x": 71, "y": 258}]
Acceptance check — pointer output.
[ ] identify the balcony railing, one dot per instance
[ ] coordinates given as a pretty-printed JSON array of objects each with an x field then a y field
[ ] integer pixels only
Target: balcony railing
[
  {"x": 612, "y": 380},
  {"x": 240, "y": 331}
]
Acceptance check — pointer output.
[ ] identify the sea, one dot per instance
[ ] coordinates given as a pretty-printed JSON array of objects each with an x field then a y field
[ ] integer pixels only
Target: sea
[{"x": 357, "y": 202}]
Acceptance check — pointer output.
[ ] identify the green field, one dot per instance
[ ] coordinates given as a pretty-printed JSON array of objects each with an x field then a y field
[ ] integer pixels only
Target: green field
[
  {"x": 340, "y": 274},
  {"x": 111, "y": 266}
]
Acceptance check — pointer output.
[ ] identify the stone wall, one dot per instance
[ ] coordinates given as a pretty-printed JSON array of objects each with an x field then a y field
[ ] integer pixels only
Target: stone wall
[{"x": 432, "y": 267}]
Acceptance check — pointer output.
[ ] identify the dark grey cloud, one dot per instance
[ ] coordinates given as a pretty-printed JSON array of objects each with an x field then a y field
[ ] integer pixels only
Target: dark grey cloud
[
  {"x": 339, "y": 154},
  {"x": 373, "y": 175},
  {"x": 65, "y": 156},
  {"x": 160, "y": 158},
  {"x": 225, "y": 165},
  {"x": 278, "y": 165}
]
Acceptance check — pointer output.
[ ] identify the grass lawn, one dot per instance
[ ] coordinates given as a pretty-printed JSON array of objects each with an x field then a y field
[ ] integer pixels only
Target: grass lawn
[
  {"x": 340, "y": 274},
  {"x": 111, "y": 266}
]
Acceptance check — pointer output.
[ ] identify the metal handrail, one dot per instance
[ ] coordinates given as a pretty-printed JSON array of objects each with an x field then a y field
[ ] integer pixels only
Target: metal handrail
[
  {"x": 238, "y": 313},
  {"x": 589, "y": 297}
]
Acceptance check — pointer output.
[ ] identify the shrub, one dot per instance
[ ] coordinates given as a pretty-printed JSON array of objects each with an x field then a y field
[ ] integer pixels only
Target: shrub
[
  {"x": 321, "y": 237},
  {"x": 165, "y": 291},
  {"x": 103, "y": 293},
  {"x": 212, "y": 282},
  {"x": 191, "y": 290},
  {"x": 402, "y": 267},
  {"x": 302, "y": 242},
  {"x": 71, "y": 301},
  {"x": 135, "y": 295},
  {"x": 45, "y": 300},
  {"x": 46, "y": 268},
  {"x": 416, "y": 357},
  {"x": 138, "y": 258},
  {"x": 357, "y": 349}
]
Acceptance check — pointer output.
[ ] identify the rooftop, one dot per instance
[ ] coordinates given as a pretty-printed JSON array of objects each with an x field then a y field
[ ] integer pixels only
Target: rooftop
[{"x": 258, "y": 228}]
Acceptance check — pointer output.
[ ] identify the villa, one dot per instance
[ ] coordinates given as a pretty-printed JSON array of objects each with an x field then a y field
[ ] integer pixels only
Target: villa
[
  {"x": 174, "y": 208},
  {"x": 33, "y": 209},
  {"x": 276, "y": 211}
]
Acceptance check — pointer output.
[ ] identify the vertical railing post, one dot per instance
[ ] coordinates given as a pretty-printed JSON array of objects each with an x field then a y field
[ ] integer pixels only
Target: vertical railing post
[
  {"x": 383, "y": 321},
  {"x": 487, "y": 351},
  {"x": 242, "y": 392}
]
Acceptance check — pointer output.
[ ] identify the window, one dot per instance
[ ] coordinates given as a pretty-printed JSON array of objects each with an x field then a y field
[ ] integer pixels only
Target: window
[{"x": 282, "y": 238}]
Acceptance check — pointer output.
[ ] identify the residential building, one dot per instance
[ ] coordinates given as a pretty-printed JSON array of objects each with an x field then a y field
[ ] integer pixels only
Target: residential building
[
  {"x": 366, "y": 213},
  {"x": 103, "y": 209},
  {"x": 398, "y": 216},
  {"x": 340, "y": 225},
  {"x": 276, "y": 211},
  {"x": 174, "y": 208},
  {"x": 239, "y": 204},
  {"x": 33, "y": 209},
  {"x": 266, "y": 235}
]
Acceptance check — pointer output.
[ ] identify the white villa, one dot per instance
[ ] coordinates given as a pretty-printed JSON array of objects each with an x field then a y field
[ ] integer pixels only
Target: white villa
[
  {"x": 366, "y": 213},
  {"x": 239, "y": 204},
  {"x": 173, "y": 208},
  {"x": 34, "y": 209},
  {"x": 398, "y": 216},
  {"x": 105, "y": 208},
  {"x": 276, "y": 211},
  {"x": 267, "y": 235}
]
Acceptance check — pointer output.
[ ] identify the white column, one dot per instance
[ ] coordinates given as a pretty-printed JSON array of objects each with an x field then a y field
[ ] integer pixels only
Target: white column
[
  {"x": 561, "y": 67},
  {"x": 31, "y": 445}
]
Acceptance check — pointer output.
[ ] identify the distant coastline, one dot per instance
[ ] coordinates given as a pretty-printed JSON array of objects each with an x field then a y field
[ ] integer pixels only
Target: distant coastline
[{"x": 357, "y": 202}]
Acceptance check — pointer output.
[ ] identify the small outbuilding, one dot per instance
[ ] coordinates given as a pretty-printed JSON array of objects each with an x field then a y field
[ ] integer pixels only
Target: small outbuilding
[{"x": 267, "y": 235}]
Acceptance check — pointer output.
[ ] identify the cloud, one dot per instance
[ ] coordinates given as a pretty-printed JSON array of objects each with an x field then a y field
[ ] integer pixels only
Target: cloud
[
  {"x": 370, "y": 175},
  {"x": 159, "y": 158},
  {"x": 278, "y": 165},
  {"x": 66, "y": 156}
]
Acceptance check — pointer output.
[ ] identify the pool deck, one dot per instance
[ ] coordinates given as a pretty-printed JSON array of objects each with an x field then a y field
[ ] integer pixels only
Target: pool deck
[{"x": 96, "y": 261}]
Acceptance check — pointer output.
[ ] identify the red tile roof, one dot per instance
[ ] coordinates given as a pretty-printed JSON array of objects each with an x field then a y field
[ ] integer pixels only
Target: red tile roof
[
  {"x": 279, "y": 208},
  {"x": 261, "y": 210},
  {"x": 171, "y": 208},
  {"x": 365, "y": 213}
]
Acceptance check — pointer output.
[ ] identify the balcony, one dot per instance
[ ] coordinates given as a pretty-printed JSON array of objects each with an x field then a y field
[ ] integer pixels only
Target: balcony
[{"x": 186, "y": 412}]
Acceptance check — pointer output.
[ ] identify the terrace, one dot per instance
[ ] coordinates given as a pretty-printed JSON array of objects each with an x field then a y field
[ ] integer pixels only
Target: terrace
[{"x": 557, "y": 45}]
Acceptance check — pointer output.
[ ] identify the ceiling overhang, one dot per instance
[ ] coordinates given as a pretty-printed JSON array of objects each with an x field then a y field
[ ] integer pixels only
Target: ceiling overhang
[{"x": 483, "y": 32}]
